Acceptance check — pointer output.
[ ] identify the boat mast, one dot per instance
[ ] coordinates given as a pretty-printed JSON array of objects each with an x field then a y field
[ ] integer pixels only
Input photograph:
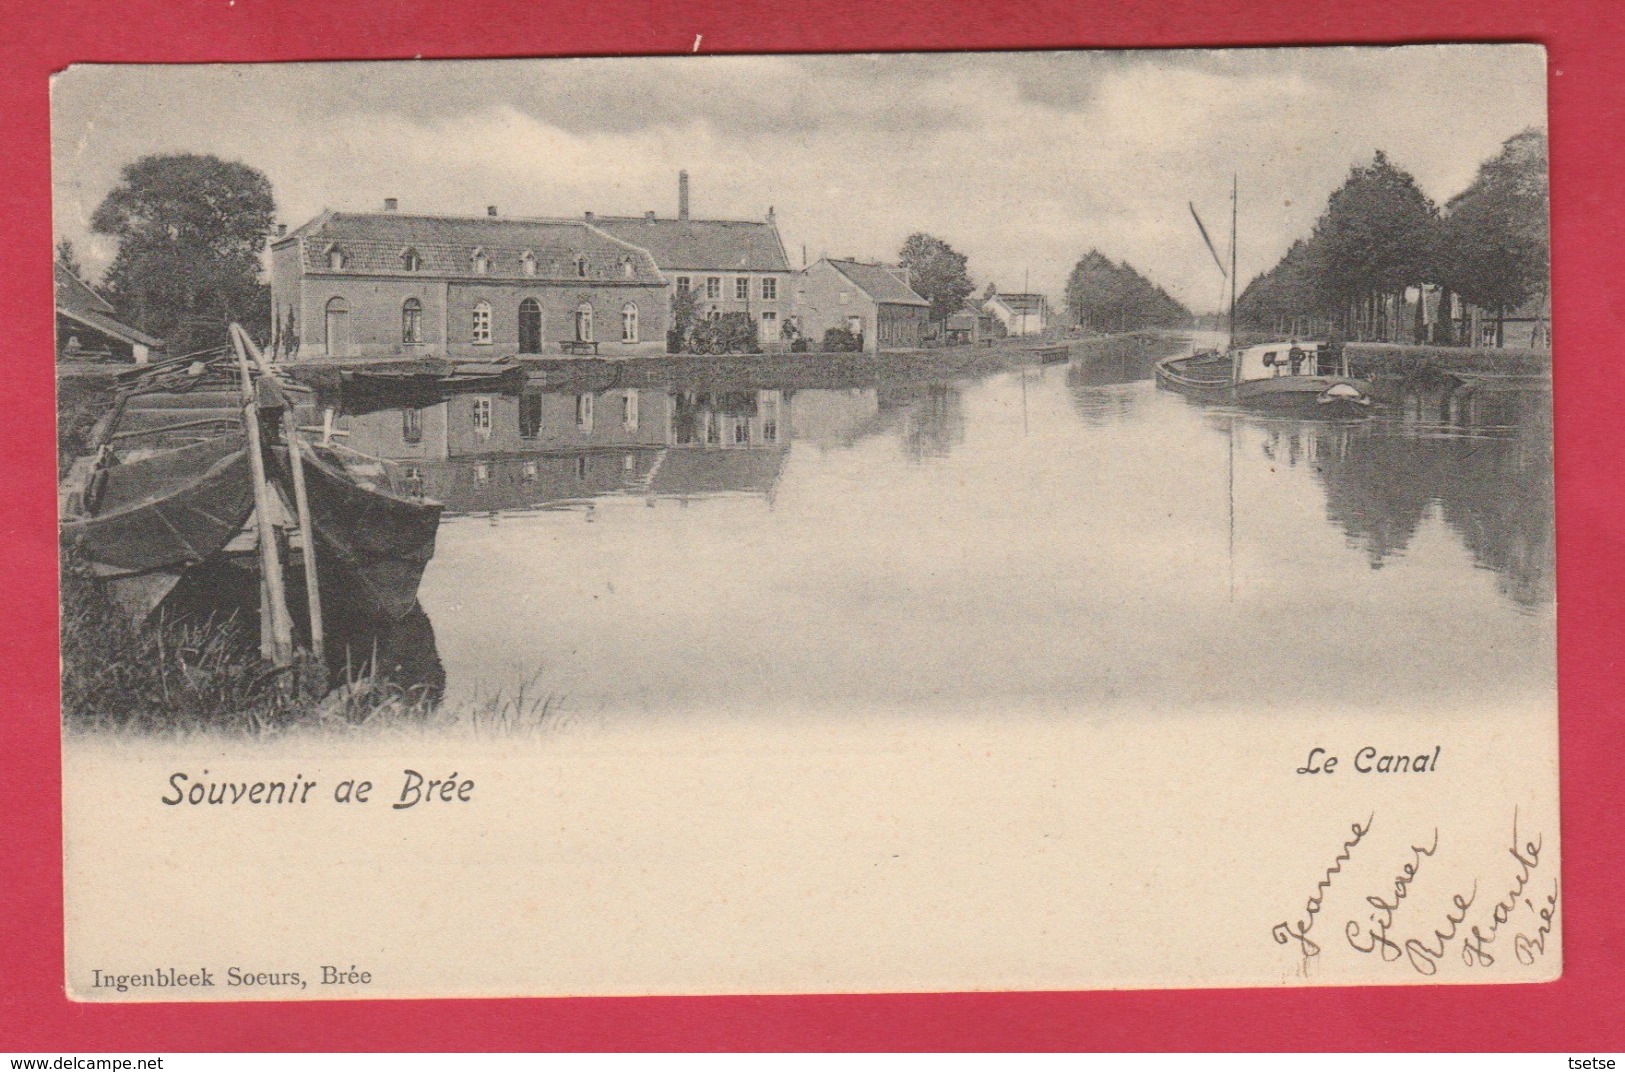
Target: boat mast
[{"x": 1233, "y": 190}]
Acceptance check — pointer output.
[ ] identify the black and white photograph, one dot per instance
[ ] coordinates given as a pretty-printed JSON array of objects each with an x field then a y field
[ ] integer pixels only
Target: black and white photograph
[{"x": 806, "y": 523}]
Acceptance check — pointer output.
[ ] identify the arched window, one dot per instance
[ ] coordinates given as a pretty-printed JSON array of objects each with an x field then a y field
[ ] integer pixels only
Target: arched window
[
  {"x": 628, "y": 269},
  {"x": 411, "y": 261},
  {"x": 338, "y": 328},
  {"x": 411, "y": 321},
  {"x": 482, "y": 263},
  {"x": 482, "y": 324},
  {"x": 584, "y": 322},
  {"x": 335, "y": 258},
  {"x": 530, "y": 326},
  {"x": 527, "y": 263},
  {"x": 629, "y": 322},
  {"x": 581, "y": 266}
]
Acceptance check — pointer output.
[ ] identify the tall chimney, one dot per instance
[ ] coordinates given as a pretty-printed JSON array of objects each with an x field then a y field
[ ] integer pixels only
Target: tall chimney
[
  {"x": 770, "y": 218},
  {"x": 281, "y": 229},
  {"x": 390, "y": 204},
  {"x": 490, "y": 210},
  {"x": 682, "y": 195}
]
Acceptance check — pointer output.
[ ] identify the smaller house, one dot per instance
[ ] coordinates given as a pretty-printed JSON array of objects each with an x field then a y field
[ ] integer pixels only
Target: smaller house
[
  {"x": 87, "y": 330},
  {"x": 1018, "y": 314},
  {"x": 970, "y": 326},
  {"x": 872, "y": 301}
]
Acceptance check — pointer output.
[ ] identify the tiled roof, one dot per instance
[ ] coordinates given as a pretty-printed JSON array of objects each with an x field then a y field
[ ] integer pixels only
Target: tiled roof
[
  {"x": 1017, "y": 303},
  {"x": 702, "y": 245},
  {"x": 879, "y": 283},
  {"x": 76, "y": 301},
  {"x": 73, "y": 293},
  {"x": 376, "y": 243},
  {"x": 108, "y": 326}
]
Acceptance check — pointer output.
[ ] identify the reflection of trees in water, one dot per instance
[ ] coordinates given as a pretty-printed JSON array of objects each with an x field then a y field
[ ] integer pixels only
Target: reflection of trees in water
[
  {"x": 932, "y": 417},
  {"x": 1085, "y": 379},
  {"x": 1485, "y": 460}
]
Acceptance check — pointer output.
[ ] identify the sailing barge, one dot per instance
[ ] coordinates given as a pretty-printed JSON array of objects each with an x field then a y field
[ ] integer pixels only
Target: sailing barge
[
  {"x": 193, "y": 469},
  {"x": 1300, "y": 379},
  {"x": 1305, "y": 379}
]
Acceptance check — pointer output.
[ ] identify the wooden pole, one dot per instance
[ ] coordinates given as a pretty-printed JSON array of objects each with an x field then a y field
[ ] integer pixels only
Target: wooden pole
[
  {"x": 280, "y": 648},
  {"x": 307, "y": 539}
]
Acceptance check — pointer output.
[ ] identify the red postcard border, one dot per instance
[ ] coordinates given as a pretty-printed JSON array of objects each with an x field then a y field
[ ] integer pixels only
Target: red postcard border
[{"x": 1582, "y": 1011}]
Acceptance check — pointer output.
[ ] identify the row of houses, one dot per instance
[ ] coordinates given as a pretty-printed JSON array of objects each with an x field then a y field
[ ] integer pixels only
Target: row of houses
[{"x": 394, "y": 284}]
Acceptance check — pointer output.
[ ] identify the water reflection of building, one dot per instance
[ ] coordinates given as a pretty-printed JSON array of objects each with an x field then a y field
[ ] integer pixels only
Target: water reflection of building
[
  {"x": 930, "y": 417},
  {"x": 488, "y": 452},
  {"x": 1483, "y": 458}
]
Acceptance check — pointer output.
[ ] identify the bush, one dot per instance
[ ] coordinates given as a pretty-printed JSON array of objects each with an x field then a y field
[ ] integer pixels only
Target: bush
[{"x": 840, "y": 340}]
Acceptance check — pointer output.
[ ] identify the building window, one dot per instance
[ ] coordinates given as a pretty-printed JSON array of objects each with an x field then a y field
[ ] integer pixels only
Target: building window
[
  {"x": 338, "y": 327},
  {"x": 584, "y": 322},
  {"x": 581, "y": 267},
  {"x": 482, "y": 324},
  {"x": 770, "y": 325},
  {"x": 770, "y": 288},
  {"x": 482, "y": 474},
  {"x": 411, "y": 261},
  {"x": 411, "y": 321},
  {"x": 713, "y": 429},
  {"x": 584, "y": 412},
  {"x": 683, "y": 284},
  {"x": 713, "y": 288},
  {"x": 482, "y": 418},
  {"x": 741, "y": 435},
  {"x": 482, "y": 263},
  {"x": 629, "y": 322},
  {"x": 742, "y": 288},
  {"x": 530, "y": 416},
  {"x": 770, "y": 417},
  {"x": 530, "y": 472},
  {"x": 412, "y": 481},
  {"x": 530, "y": 326},
  {"x": 527, "y": 263},
  {"x": 628, "y": 269},
  {"x": 335, "y": 258},
  {"x": 412, "y": 425},
  {"x": 629, "y": 411}
]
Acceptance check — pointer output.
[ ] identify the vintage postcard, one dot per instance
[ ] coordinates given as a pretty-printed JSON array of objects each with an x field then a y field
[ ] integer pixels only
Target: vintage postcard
[{"x": 829, "y": 523}]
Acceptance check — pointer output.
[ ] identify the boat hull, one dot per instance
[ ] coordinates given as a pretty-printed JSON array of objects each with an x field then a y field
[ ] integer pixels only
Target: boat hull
[
  {"x": 372, "y": 545},
  {"x": 1306, "y": 396}
]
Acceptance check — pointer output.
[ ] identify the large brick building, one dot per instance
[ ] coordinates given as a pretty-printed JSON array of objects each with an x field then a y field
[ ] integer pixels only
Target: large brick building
[
  {"x": 728, "y": 265},
  {"x": 398, "y": 285}
]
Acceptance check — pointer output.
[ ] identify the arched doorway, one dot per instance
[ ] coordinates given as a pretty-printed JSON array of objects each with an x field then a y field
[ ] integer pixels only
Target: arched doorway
[
  {"x": 338, "y": 328},
  {"x": 530, "y": 326}
]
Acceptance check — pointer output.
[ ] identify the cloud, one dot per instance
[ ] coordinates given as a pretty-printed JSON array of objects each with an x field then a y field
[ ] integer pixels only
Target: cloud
[{"x": 1024, "y": 161}]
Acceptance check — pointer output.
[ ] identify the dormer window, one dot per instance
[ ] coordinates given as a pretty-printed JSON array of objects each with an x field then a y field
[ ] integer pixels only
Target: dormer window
[
  {"x": 527, "y": 263},
  {"x": 581, "y": 267},
  {"x": 335, "y": 259},
  {"x": 410, "y": 261},
  {"x": 482, "y": 263},
  {"x": 628, "y": 269}
]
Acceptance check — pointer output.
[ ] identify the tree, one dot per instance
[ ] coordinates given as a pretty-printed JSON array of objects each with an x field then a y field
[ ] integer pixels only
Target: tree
[
  {"x": 937, "y": 273},
  {"x": 1378, "y": 235},
  {"x": 68, "y": 259},
  {"x": 1496, "y": 242},
  {"x": 191, "y": 230},
  {"x": 1105, "y": 296}
]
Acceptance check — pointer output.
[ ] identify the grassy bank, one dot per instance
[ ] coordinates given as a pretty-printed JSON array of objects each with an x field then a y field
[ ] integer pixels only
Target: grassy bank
[{"x": 1379, "y": 360}]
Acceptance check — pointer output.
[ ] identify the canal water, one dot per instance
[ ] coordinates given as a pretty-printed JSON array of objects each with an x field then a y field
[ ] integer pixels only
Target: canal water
[{"x": 1064, "y": 538}]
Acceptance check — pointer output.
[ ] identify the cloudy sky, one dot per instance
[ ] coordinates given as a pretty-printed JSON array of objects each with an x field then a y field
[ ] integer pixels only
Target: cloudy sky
[{"x": 1023, "y": 161}]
